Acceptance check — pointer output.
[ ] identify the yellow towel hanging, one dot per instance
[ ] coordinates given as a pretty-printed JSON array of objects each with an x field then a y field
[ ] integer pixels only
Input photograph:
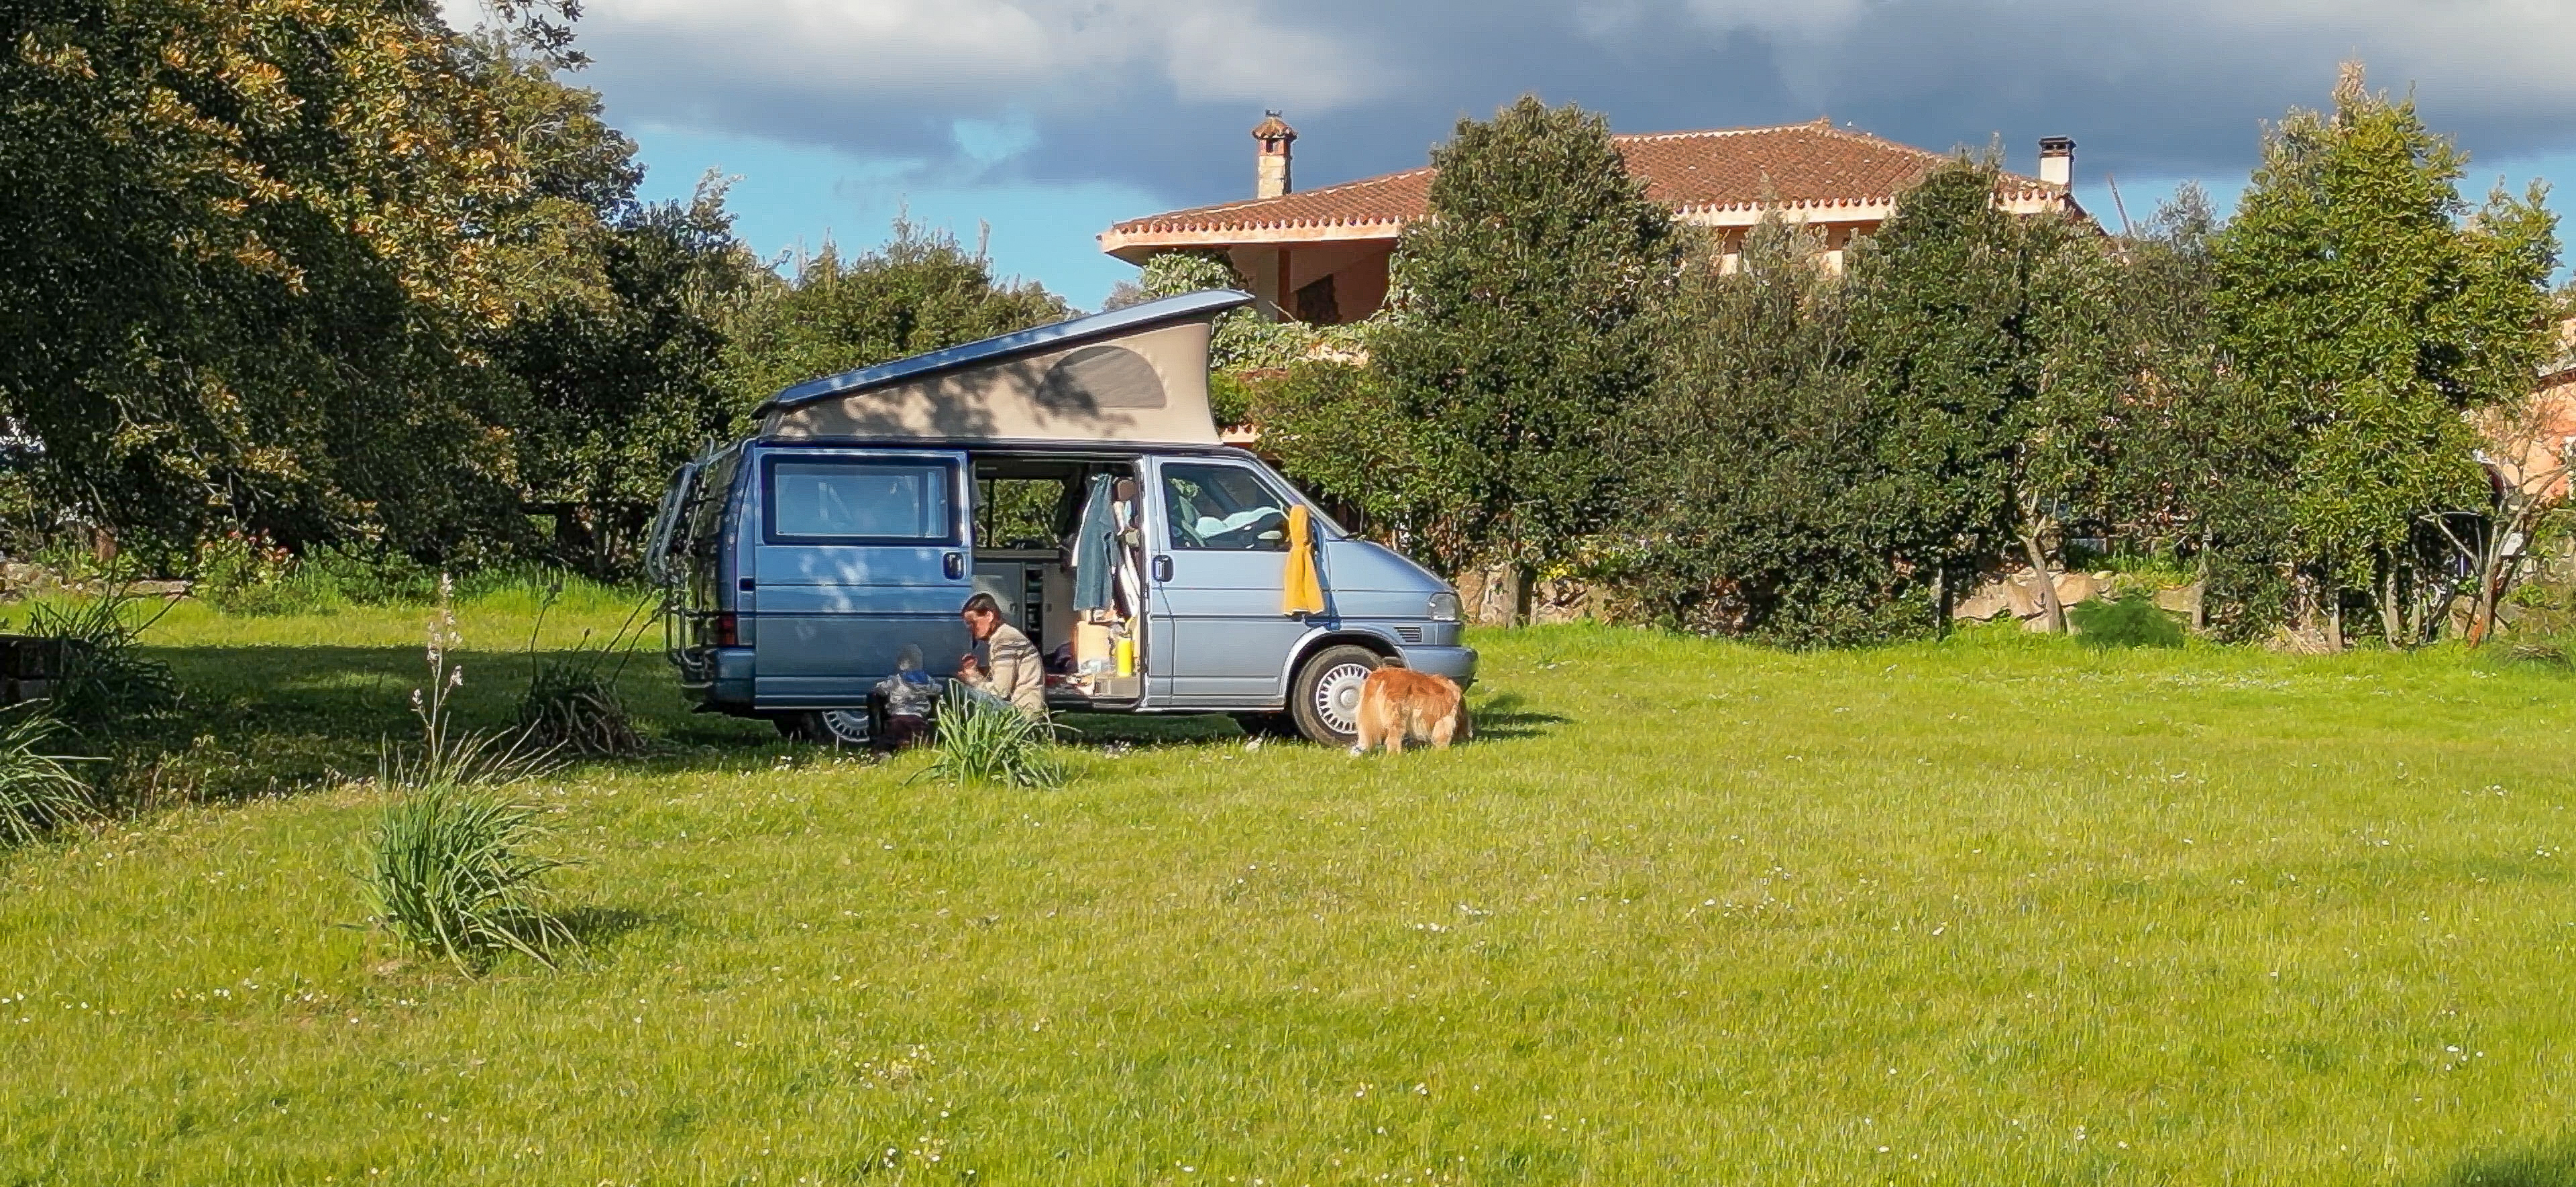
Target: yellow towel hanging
[{"x": 1300, "y": 591}]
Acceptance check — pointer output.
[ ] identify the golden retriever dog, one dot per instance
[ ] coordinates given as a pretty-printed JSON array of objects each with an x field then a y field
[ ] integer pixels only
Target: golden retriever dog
[{"x": 1399, "y": 705}]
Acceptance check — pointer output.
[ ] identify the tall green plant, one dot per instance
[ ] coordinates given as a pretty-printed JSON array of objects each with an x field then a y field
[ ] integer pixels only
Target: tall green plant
[
  {"x": 1744, "y": 462},
  {"x": 446, "y": 756},
  {"x": 105, "y": 683},
  {"x": 984, "y": 741},
  {"x": 571, "y": 703},
  {"x": 448, "y": 870},
  {"x": 39, "y": 790},
  {"x": 1977, "y": 337},
  {"x": 447, "y": 867},
  {"x": 2194, "y": 462},
  {"x": 1523, "y": 333},
  {"x": 2365, "y": 302}
]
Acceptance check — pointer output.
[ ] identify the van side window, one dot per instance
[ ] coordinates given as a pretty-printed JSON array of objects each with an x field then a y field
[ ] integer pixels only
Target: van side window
[
  {"x": 1223, "y": 508},
  {"x": 853, "y": 502}
]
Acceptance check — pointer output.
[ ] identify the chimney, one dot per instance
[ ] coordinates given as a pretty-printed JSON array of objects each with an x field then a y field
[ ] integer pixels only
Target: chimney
[
  {"x": 2057, "y": 160},
  {"x": 1275, "y": 136}
]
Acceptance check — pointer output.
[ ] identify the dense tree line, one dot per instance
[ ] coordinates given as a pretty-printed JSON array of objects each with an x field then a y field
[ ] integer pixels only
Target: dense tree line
[
  {"x": 2288, "y": 404},
  {"x": 336, "y": 275}
]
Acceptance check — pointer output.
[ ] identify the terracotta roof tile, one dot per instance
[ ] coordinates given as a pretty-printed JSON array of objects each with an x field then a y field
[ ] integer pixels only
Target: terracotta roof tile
[{"x": 1809, "y": 165}]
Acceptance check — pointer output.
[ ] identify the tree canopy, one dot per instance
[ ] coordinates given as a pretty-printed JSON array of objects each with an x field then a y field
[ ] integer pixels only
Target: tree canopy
[
  {"x": 332, "y": 273},
  {"x": 2371, "y": 311},
  {"x": 1524, "y": 331}
]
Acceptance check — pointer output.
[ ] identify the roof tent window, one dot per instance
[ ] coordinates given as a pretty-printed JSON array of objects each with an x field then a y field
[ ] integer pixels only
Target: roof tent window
[
  {"x": 1101, "y": 377},
  {"x": 852, "y": 502}
]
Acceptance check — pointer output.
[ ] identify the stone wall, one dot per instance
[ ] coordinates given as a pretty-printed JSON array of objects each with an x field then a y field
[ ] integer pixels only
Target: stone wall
[
  {"x": 1485, "y": 596},
  {"x": 2016, "y": 594}
]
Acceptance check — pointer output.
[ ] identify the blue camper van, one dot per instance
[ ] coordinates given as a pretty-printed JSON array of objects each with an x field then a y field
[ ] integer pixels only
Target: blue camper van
[{"x": 1073, "y": 472}]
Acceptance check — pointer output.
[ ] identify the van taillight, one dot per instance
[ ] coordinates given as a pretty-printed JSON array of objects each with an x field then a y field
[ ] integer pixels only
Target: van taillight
[{"x": 727, "y": 635}]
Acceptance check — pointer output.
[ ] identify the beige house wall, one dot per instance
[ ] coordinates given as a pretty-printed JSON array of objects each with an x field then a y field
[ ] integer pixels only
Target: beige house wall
[{"x": 1357, "y": 255}]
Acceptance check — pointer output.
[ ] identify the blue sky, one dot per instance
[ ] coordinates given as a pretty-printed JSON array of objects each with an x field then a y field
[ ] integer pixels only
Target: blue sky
[
  {"x": 790, "y": 198},
  {"x": 1045, "y": 120}
]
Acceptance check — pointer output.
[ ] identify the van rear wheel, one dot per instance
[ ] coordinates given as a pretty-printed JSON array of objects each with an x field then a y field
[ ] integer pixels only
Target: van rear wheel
[
  {"x": 828, "y": 727},
  {"x": 1325, "y": 696}
]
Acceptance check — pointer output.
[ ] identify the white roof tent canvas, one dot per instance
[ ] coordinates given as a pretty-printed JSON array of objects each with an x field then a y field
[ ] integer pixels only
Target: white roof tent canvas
[{"x": 1137, "y": 374}]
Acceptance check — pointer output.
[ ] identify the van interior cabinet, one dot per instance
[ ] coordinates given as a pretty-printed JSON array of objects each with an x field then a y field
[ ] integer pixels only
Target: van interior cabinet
[{"x": 1035, "y": 592}]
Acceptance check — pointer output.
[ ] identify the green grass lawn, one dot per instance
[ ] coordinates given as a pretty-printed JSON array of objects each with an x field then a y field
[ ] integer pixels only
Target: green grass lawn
[{"x": 1992, "y": 911}]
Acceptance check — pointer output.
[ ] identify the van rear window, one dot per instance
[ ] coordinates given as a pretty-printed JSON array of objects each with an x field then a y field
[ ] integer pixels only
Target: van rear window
[{"x": 863, "y": 502}]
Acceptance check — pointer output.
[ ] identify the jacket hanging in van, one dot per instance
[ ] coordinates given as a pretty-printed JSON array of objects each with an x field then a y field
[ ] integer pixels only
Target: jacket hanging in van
[{"x": 1094, "y": 547}]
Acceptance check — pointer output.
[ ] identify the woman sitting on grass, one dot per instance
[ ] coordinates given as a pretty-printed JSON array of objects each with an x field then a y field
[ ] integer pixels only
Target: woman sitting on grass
[{"x": 1004, "y": 665}]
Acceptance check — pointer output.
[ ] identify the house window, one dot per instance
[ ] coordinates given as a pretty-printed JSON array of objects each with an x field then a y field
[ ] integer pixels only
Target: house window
[{"x": 1316, "y": 306}]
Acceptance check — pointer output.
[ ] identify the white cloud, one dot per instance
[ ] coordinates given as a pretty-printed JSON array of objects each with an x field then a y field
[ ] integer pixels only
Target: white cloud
[
  {"x": 1157, "y": 93},
  {"x": 2488, "y": 52},
  {"x": 988, "y": 53}
]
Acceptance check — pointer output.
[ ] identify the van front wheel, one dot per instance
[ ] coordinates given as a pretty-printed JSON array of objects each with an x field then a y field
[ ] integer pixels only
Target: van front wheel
[
  {"x": 827, "y": 727},
  {"x": 1325, "y": 696}
]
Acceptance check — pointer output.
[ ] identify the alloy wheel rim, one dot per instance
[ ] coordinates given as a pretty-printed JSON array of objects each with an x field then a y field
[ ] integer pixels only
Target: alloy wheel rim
[
  {"x": 847, "y": 726},
  {"x": 1337, "y": 696}
]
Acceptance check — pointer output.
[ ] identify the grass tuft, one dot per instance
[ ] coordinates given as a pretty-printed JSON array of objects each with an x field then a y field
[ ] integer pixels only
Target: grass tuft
[
  {"x": 105, "y": 682},
  {"x": 573, "y": 707},
  {"x": 982, "y": 742},
  {"x": 2133, "y": 621},
  {"x": 571, "y": 703},
  {"x": 38, "y": 790},
  {"x": 448, "y": 866},
  {"x": 450, "y": 873}
]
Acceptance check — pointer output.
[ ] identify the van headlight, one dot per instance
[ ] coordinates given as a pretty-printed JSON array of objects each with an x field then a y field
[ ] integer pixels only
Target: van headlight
[{"x": 1443, "y": 608}]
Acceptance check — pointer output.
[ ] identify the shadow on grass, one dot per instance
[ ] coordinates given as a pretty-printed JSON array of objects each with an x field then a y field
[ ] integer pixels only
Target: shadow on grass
[
  {"x": 2548, "y": 1166},
  {"x": 258, "y": 721},
  {"x": 1141, "y": 729},
  {"x": 595, "y": 928},
  {"x": 1506, "y": 717},
  {"x": 266, "y": 720}
]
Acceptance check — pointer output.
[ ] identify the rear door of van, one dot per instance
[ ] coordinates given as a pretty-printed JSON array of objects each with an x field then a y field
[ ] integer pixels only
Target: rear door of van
[{"x": 860, "y": 552}]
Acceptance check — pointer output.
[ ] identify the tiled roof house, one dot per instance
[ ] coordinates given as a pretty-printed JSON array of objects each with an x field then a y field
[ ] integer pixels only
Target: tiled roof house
[
  {"x": 2536, "y": 449},
  {"x": 1321, "y": 255}
]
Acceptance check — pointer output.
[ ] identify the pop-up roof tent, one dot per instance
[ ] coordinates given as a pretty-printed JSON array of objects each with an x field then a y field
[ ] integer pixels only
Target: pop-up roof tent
[{"x": 1137, "y": 374}]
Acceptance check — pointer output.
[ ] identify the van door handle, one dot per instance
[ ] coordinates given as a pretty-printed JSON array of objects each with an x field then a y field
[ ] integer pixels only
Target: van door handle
[
  {"x": 1162, "y": 568},
  {"x": 953, "y": 564}
]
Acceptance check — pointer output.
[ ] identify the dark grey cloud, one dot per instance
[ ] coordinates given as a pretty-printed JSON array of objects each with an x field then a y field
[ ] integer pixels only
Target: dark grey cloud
[{"x": 1159, "y": 93}]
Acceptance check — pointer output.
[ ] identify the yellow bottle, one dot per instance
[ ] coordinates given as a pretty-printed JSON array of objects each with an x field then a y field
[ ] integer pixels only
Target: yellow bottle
[{"x": 1126, "y": 652}]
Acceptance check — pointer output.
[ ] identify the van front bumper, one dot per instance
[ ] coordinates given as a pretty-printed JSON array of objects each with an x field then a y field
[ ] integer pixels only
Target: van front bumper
[{"x": 1456, "y": 663}]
